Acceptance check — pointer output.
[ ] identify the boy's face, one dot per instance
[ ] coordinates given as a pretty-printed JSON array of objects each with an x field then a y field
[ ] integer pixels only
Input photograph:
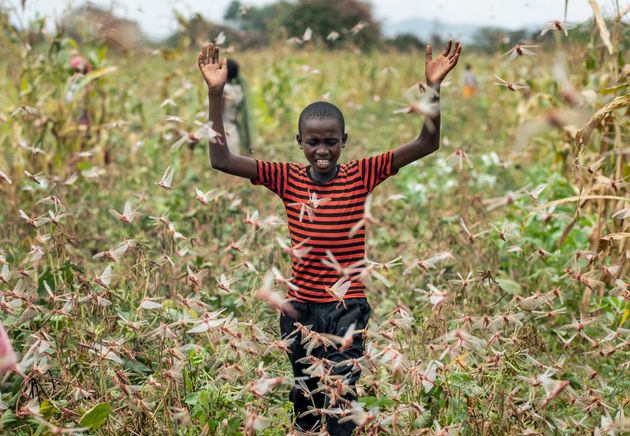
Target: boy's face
[{"x": 322, "y": 141}]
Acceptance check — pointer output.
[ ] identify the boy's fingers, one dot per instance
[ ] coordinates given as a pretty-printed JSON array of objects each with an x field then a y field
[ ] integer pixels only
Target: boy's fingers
[
  {"x": 459, "y": 51},
  {"x": 455, "y": 50},
  {"x": 224, "y": 63},
  {"x": 448, "y": 48},
  {"x": 455, "y": 58},
  {"x": 429, "y": 53},
  {"x": 203, "y": 56},
  {"x": 215, "y": 56}
]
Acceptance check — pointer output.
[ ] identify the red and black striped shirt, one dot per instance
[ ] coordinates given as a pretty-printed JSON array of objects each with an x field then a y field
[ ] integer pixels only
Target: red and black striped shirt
[{"x": 328, "y": 225}]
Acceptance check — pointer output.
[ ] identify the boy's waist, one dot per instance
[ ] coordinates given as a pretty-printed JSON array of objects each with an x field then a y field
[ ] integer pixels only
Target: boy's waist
[
  {"x": 352, "y": 298},
  {"x": 329, "y": 306},
  {"x": 323, "y": 298}
]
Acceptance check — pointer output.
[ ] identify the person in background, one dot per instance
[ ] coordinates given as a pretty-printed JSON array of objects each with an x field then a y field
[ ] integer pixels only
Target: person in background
[
  {"x": 80, "y": 66},
  {"x": 470, "y": 82},
  {"x": 236, "y": 111}
]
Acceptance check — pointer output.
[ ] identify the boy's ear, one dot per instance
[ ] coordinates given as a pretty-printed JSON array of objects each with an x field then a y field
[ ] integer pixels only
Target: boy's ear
[
  {"x": 344, "y": 138},
  {"x": 298, "y": 138}
]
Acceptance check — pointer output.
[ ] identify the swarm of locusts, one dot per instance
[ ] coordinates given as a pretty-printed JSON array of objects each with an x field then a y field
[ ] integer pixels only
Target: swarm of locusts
[{"x": 140, "y": 290}]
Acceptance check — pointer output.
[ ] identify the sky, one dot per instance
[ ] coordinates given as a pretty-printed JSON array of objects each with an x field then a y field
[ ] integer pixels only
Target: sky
[{"x": 156, "y": 17}]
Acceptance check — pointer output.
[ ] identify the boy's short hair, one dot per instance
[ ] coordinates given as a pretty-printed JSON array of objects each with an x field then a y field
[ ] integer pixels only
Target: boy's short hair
[{"x": 319, "y": 110}]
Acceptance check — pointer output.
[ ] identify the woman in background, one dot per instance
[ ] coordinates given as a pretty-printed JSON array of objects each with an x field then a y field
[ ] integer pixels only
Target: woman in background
[{"x": 236, "y": 111}]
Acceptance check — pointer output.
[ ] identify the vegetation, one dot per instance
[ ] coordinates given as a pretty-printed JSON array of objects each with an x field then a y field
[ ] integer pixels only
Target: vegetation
[
  {"x": 507, "y": 312},
  {"x": 284, "y": 19}
]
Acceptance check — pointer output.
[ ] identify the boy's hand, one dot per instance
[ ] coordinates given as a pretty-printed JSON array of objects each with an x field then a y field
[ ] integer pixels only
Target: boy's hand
[
  {"x": 213, "y": 71},
  {"x": 436, "y": 70}
]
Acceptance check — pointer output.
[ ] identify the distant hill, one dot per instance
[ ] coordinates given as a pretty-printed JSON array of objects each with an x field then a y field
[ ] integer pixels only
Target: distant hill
[{"x": 423, "y": 28}]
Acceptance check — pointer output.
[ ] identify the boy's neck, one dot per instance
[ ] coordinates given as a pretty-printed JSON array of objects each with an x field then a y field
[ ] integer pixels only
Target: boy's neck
[{"x": 321, "y": 178}]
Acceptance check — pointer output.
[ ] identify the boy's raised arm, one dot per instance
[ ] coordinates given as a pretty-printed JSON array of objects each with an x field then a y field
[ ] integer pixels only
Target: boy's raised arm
[
  {"x": 215, "y": 74},
  {"x": 429, "y": 139}
]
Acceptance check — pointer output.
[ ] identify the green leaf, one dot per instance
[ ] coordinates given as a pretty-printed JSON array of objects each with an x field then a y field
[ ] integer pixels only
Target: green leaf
[
  {"x": 66, "y": 273},
  {"x": 509, "y": 286},
  {"x": 368, "y": 402},
  {"x": 613, "y": 89},
  {"x": 96, "y": 416},
  {"x": 24, "y": 85},
  {"x": 192, "y": 399},
  {"x": 385, "y": 403},
  {"x": 213, "y": 424},
  {"x": 575, "y": 382},
  {"x": 47, "y": 409},
  {"x": 101, "y": 53},
  {"x": 137, "y": 367},
  {"x": 423, "y": 421},
  {"x": 93, "y": 75},
  {"x": 75, "y": 267},
  {"x": 83, "y": 165},
  {"x": 49, "y": 278},
  {"x": 7, "y": 419},
  {"x": 465, "y": 384}
]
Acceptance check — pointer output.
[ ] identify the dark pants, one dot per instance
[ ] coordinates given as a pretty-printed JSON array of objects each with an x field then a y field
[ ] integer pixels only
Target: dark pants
[{"x": 326, "y": 318}]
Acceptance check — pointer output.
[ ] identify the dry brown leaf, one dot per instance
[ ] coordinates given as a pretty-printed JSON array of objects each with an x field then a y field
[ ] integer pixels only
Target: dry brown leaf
[
  {"x": 603, "y": 30},
  {"x": 616, "y": 236},
  {"x": 581, "y": 198},
  {"x": 582, "y": 136}
]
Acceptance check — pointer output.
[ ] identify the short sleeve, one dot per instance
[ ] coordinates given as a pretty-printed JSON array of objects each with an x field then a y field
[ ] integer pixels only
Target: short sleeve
[
  {"x": 375, "y": 169},
  {"x": 272, "y": 175}
]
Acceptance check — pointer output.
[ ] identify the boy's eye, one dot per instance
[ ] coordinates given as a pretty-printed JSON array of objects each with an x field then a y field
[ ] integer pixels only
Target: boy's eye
[{"x": 329, "y": 142}]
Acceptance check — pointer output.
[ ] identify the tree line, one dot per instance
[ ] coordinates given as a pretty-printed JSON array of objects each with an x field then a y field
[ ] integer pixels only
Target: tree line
[{"x": 333, "y": 24}]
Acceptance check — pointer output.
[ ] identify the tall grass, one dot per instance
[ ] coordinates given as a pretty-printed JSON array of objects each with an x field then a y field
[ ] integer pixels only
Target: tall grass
[{"x": 106, "y": 358}]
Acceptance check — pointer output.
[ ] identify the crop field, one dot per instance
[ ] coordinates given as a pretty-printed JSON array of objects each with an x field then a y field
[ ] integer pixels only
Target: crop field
[{"x": 500, "y": 291}]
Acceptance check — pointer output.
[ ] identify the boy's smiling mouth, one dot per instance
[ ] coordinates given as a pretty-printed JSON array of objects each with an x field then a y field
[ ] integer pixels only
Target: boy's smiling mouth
[{"x": 322, "y": 163}]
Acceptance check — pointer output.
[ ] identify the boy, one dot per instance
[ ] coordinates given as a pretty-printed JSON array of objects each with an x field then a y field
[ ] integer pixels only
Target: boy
[{"x": 324, "y": 202}]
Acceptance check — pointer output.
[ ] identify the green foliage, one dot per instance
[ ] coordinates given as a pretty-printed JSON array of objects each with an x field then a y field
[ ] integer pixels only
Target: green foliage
[
  {"x": 96, "y": 355},
  {"x": 265, "y": 23},
  {"x": 213, "y": 407},
  {"x": 405, "y": 42},
  {"x": 282, "y": 19},
  {"x": 497, "y": 39},
  {"x": 325, "y": 16},
  {"x": 96, "y": 416}
]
